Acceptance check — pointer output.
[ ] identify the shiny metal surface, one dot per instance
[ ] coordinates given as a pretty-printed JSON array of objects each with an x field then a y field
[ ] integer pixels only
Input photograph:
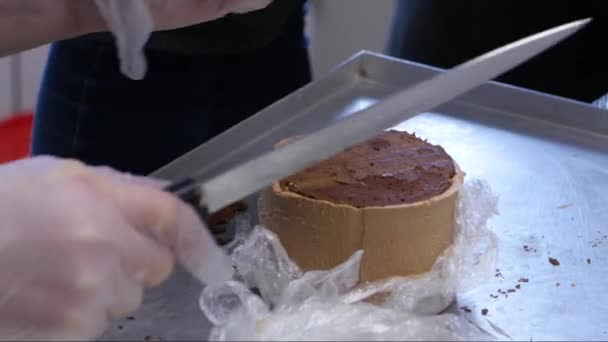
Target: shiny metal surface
[
  {"x": 547, "y": 160},
  {"x": 553, "y": 196}
]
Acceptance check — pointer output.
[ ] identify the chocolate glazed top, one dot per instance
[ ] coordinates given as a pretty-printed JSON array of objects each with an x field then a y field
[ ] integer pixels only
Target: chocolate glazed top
[{"x": 393, "y": 168}]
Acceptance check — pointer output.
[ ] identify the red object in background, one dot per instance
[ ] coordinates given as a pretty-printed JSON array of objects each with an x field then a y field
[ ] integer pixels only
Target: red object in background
[{"x": 15, "y": 137}]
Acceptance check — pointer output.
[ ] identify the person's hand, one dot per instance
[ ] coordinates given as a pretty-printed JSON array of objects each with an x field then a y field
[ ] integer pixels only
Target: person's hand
[
  {"x": 131, "y": 22},
  {"x": 78, "y": 245},
  {"x": 171, "y": 14},
  {"x": 166, "y": 14}
]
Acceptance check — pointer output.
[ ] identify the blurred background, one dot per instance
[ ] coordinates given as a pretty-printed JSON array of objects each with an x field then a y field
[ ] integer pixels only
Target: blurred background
[
  {"x": 356, "y": 24},
  {"x": 366, "y": 22},
  {"x": 337, "y": 29}
]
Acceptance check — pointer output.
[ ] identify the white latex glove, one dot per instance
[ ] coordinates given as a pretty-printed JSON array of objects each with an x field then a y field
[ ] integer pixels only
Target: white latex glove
[
  {"x": 132, "y": 21},
  {"x": 78, "y": 245},
  {"x": 171, "y": 14}
]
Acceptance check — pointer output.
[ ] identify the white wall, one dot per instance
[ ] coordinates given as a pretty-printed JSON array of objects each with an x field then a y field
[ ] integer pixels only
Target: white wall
[
  {"x": 19, "y": 94},
  {"x": 338, "y": 28},
  {"x": 33, "y": 63},
  {"x": 5, "y": 87}
]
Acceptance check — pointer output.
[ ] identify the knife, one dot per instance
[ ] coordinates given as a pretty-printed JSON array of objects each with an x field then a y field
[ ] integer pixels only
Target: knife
[{"x": 212, "y": 194}]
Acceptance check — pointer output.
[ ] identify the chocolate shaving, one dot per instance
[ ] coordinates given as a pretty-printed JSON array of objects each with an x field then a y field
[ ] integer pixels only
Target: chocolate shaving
[
  {"x": 484, "y": 312},
  {"x": 465, "y": 309},
  {"x": 554, "y": 261},
  {"x": 498, "y": 274}
]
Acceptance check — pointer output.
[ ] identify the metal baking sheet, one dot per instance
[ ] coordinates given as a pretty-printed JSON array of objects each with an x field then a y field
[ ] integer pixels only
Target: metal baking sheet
[{"x": 545, "y": 157}]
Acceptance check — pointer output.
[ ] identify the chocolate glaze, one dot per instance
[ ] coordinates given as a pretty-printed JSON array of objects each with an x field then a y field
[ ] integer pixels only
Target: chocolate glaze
[{"x": 393, "y": 168}]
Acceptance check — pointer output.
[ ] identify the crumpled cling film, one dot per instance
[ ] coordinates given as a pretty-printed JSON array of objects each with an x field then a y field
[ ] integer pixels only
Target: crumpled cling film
[
  {"x": 328, "y": 305},
  {"x": 131, "y": 23}
]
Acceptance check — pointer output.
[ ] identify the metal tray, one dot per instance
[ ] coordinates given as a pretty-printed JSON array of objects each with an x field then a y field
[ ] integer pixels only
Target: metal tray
[{"x": 545, "y": 157}]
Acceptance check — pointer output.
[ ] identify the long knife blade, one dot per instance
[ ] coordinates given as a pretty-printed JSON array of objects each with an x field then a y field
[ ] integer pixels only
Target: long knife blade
[{"x": 256, "y": 174}]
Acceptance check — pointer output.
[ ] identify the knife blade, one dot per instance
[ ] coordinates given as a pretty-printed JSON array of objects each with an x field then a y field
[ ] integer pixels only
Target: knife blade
[{"x": 210, "y": 195}]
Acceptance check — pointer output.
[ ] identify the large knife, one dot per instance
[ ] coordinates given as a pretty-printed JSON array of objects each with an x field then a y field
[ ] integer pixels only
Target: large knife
[{"x": 213, "y": 194}]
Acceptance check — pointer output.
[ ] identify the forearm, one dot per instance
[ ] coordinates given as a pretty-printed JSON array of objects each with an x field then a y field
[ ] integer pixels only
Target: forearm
[{"x": 25, "y": 24}]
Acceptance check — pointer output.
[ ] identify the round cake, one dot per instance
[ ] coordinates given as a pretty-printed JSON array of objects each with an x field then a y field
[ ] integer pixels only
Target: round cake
[{"x": 393, "y": 196}]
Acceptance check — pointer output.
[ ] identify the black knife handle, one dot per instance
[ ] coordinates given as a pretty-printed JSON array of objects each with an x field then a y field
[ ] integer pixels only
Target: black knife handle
[{"x": 189, "y": 191}]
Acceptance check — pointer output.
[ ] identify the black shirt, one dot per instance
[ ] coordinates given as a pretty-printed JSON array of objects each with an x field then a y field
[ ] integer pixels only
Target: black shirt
[
  {"x": 232, "y": 34},
  {"x": 444, "y": 33}
]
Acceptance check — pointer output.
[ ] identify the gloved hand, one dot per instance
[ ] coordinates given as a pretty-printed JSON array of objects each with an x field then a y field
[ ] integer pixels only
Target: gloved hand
[
  {"x": 132, "y": 22},
  {"x": 171, "y": 14},
  {"x": 78, "y": 245},
  {"x": 168, "y": 14}
]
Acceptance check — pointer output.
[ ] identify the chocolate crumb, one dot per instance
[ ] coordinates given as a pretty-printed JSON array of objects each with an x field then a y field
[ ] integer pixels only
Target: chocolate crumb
[
  {"x": 518, "y": 286},
  {"x": 120, "y": 327},
  {"x": 148, "y": 338},
  {"x": 510, "y": 290},
  {"x": 484, "y": 312},
  {"x": 573, "y": 285},
  {"x": 523, "y": 280},
  {"x": 493, "y": 296},
  {"x": 588, "y": 261},
  {"x": 554, "y": 261},
  {"x": 130, "y": 318},
  {"x": 557, "y": 284},
  {"x": 465, "y": 309}
]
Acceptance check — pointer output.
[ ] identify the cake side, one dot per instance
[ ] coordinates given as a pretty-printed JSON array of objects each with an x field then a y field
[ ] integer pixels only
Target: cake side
[{"x": 399, "y": 239}]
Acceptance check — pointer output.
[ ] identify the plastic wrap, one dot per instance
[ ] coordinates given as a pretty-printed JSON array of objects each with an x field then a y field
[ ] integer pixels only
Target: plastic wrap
[
  {"x": 330, "y": 305},
  {"x": 131, "y": 23}
]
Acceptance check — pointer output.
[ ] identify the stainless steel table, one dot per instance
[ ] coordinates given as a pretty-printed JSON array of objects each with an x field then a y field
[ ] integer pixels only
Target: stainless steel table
[{"x": 547, "y": 159}]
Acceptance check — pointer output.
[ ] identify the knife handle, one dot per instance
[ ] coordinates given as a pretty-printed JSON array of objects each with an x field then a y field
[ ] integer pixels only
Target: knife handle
[{"x": 189, "y": 191}]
